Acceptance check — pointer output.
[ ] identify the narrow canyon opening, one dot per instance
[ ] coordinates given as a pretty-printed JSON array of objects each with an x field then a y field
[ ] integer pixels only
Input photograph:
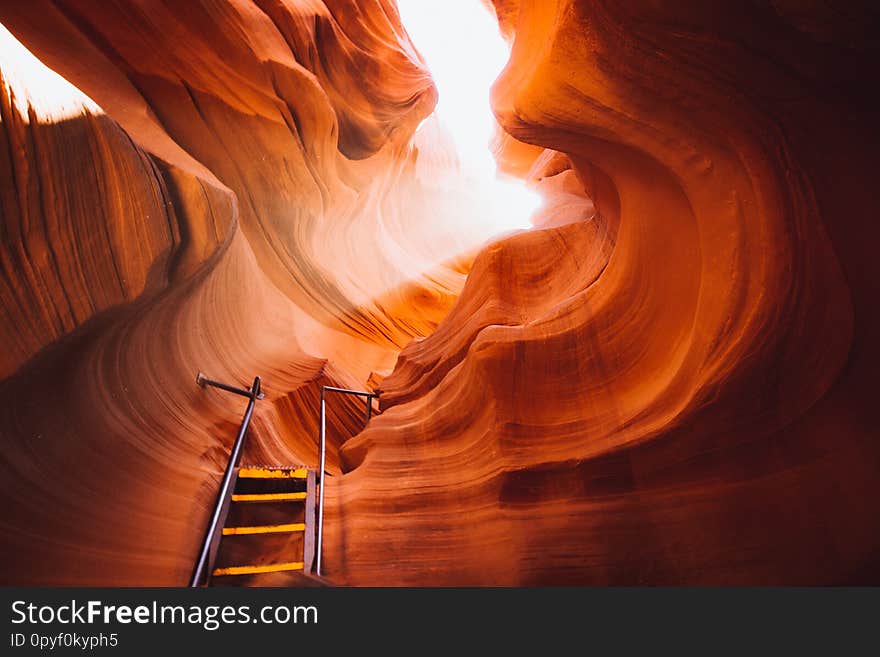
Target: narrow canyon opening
[{"x": 608, "y": 290}]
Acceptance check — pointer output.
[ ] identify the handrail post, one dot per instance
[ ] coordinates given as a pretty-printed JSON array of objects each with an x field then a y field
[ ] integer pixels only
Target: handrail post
[
  {"x": 211, "y": 542},
  {"x": 323, "y": 449},
  {"x": 321, "y": 475}
]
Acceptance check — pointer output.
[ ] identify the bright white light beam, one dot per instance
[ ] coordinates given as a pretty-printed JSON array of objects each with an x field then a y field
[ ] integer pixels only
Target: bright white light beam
[
  {"x": 52, "y": 97},
  {"x": 465, "y": 52}
]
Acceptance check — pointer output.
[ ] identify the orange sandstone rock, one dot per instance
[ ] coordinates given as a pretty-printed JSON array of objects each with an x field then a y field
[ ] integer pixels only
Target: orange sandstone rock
[{"x": 669, "y": 380}]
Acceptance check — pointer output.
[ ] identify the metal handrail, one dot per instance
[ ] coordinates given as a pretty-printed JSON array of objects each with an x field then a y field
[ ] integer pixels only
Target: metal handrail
[
  {"x": 211, "y": 543},
  {"x": 323, "y": 441}
]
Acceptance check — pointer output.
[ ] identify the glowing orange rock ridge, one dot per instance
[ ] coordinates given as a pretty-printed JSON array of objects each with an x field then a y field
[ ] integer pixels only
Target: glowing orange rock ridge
[
  {"x": 669, "y": 381},
  {"x": 699, "y": 412},
  {"x": 196, "y": 226}
]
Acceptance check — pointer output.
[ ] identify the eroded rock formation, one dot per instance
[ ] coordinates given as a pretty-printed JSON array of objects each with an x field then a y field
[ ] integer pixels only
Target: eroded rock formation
[
  {"x": 669, "y": 380},
  {"x": 200, "y": 224},
  {"x": 693, "y": 403}
]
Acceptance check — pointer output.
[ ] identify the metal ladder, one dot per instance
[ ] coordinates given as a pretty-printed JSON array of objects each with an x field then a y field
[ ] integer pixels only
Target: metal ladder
[{"x": 243, "y": 486}]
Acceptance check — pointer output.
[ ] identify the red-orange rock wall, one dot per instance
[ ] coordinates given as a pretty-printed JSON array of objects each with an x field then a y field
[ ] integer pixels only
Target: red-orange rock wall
[
  {"x": 699, "y": 413},
  {"x": 671, "y": 381},
  {"x": 198, "y": 225}
]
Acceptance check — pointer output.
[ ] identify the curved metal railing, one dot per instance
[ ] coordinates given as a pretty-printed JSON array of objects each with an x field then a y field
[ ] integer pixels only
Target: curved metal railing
[{"x": 211, "y": 543}]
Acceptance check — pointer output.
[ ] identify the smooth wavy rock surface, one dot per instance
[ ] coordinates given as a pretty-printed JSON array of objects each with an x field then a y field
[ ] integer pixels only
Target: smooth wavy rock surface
[
  {"x": 668, "y": 380},
  {"x": 240, "y": 207},
  {"x": 676, "y": 392}
]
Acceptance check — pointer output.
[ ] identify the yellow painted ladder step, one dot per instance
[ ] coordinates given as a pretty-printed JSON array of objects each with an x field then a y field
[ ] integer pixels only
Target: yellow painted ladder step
[
  {"x": 264, "y": 529},
  {"x": 254, "y": 472},
  {"x": 267, "y": 497},
  {"x": 253, "y": 570}
]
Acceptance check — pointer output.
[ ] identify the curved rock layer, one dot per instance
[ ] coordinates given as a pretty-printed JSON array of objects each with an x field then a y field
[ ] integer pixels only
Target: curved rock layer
[
  {"x": 205, "y": 222},
  {"x": 697, "y": 411},
  {"x": 667, "y": 381}
]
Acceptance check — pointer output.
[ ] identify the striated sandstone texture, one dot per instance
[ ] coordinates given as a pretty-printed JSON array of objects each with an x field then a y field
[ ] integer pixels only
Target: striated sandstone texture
[
  {"x": 236, "y": 211},
  {"x": 678, "y": 391},
  {"x": 668, "y": 380}
]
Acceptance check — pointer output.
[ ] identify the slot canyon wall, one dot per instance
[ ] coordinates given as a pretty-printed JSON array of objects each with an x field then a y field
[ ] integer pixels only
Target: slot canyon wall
[{"x": 668, "y": 381}]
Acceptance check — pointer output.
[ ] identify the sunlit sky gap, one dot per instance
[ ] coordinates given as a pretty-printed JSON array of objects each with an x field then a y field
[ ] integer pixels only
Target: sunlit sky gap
[
  {"x": 459, "y": 208},
  {"x": 52, "y": 97},
  {"x": 464, "y": 50}
]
